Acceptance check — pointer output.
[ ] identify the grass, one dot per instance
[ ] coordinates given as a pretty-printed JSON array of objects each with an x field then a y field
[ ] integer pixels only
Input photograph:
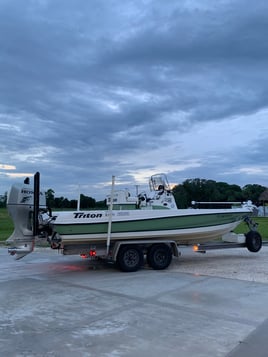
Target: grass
[
  {"x": 6, "y": 226},
  {"x": 262, "y": 227}
]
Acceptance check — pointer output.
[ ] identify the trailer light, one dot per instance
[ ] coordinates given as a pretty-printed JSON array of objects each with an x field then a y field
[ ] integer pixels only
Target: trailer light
[
  {"x": 92, "y": 253},
  {"x": 84, "y": 256},
  {"x": 195, "y": 248}
]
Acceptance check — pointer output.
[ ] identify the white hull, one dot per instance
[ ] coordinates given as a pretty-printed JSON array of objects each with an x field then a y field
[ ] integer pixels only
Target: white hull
[{"x": 181, "y": 236}]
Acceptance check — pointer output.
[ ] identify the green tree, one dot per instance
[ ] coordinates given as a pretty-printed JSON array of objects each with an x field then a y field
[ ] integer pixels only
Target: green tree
[
  {"x": 222, "y": 188},
  {"x": 60, "y": 202},
  {"x": 73, "y": 204},
  {"x": 201, "y": 190},
  {"x": 252, "y": 192},
  {"x": 3, "y": 200},
  {"x": 50, "y": 199},
  {"x": 87, "y": 202},
  {"x": 234, "y": 193},
  {"x": 101, "y": 204},
  {"x": 181, "y": 196}
]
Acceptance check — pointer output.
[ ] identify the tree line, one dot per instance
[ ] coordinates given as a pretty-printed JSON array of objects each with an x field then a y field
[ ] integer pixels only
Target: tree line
[
  {"x": 212, "y": 191},
  {"x": 63, "y": 202},
  {"x": 191, "y": 189}
]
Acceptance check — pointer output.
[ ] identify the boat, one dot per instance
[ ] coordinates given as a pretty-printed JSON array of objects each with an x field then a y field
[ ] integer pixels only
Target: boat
[
  {"x": 147, "y": 216},
  {"x": 144, "y": 219},
  {"x": 132, "y": 227}
]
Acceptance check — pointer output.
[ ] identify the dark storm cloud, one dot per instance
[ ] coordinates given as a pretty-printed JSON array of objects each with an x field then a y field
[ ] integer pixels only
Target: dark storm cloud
[{"x": 106, "y": 87}]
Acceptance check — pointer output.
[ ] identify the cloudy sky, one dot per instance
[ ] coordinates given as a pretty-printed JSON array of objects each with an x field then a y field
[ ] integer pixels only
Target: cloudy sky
[{"x": 95, "y": 88}]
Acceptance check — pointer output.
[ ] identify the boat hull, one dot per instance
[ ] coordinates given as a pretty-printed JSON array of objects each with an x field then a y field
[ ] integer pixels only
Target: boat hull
[{"x": 183, "y": 226}]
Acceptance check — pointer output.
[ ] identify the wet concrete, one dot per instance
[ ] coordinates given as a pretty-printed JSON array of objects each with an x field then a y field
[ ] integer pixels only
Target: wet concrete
[{"x": 53, "y": 305}]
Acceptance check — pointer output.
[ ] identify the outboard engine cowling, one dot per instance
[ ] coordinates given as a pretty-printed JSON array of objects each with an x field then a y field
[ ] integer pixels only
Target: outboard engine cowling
[{"x": 21, "y": 208}]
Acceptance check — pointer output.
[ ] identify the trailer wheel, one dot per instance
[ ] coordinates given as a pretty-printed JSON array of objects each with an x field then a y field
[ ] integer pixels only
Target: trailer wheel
[
  {"x": 159, "y": 256},
  {"x": 129, "y": 258},
  {"x": 253, "y": 241}
]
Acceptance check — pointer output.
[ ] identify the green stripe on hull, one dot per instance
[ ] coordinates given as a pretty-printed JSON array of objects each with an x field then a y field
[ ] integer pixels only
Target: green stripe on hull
[{"x": 153, "y": 224}]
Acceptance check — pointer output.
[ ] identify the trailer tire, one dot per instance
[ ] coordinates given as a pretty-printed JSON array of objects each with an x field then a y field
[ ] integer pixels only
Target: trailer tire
[
  {"x": 130, "y": 258},
  {"x": 253, "y": 241},
  {"x": 159, "y": 256}
]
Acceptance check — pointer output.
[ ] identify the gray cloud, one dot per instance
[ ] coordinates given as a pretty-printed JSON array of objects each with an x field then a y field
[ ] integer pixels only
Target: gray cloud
[{"x": 91, "y": 89}]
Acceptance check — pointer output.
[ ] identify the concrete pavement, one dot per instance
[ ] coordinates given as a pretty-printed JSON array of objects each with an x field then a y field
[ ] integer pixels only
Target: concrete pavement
[
  {"x": 256, "y": 344},
  {"x": 53, "y": 305}
]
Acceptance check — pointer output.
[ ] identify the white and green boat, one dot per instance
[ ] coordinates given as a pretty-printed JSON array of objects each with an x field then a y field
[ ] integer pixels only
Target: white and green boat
[
  {"x": 130, "y": 228},
  {"x": 147, "y": 216}
]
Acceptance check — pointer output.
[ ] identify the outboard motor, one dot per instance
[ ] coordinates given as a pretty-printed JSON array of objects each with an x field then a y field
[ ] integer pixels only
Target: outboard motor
[{"x": 24, "y": 205}]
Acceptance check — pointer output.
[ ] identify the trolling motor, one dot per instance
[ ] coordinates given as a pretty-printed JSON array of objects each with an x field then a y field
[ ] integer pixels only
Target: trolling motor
[{"x": 28, "y": 210}]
